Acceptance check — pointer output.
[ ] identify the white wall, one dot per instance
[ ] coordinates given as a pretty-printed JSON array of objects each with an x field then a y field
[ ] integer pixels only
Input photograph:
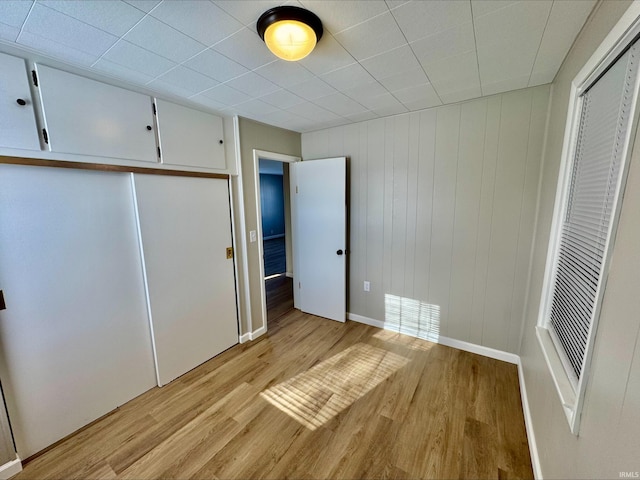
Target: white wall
[
  {"x": 442, "y": 207},
  {"x": 609, "y": 439}
]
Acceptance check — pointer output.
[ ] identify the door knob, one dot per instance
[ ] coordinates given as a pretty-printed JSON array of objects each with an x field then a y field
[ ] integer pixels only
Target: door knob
[{"x": 339, "y": 252}]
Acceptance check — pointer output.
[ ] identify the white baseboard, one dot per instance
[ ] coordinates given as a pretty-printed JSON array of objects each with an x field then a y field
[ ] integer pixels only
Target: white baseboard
[
  {"x": 245, "y": 338},
  {"x": 528, "y": 423},
  {"x": 289, "y": 274},
  {"x": 9, "y": 469},
  {"x": 484, "y": 351},
  {"x": 260, "y": 331}
]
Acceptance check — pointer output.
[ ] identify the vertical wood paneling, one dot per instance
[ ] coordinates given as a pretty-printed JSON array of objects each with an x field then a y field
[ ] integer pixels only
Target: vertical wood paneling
[
  {"x": 444, "y": 200},
  {"x": 465, "y": 230},
  {"x": 442, "y": 210},
  {"x": 485, "y": 216},
  {"x": 512, "y": 154},
  {"x": 375, "y": 218}
]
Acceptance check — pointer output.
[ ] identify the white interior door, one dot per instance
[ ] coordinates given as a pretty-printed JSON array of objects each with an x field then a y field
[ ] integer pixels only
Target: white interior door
[
  {"x": 185, "y": 229},
  {"x": 318, "y": 193},
  {"x": 74, "y": 338}
]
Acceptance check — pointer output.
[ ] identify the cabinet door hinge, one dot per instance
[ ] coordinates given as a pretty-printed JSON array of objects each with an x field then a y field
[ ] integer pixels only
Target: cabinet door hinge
[
  {"x": 34, "y": 76},
  {"x": 155, "y": 112},
  {"x": 45, "y": 136},
  {"x": 159, "y": 153}
]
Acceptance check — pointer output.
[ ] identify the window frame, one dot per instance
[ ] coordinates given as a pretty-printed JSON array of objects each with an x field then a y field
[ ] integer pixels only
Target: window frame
[{"x": 571, "y": 390}]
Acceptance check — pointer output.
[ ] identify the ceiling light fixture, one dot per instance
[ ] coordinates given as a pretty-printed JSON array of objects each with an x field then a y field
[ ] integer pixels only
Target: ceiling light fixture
[{"x": 291, "y": 33}]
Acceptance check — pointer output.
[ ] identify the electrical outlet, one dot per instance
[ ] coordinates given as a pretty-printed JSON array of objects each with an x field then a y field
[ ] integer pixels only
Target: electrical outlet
[
  {"x": 367, "y": 286},
  {"x": 252, "y": 236}
]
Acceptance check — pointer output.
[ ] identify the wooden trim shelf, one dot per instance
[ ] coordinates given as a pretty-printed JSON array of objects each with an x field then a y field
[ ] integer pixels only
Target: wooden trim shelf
[{"x": 103, "y": 167}]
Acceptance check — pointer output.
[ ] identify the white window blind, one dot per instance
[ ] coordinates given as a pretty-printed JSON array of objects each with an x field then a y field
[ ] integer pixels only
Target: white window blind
[{"x": 592, "y": 191}]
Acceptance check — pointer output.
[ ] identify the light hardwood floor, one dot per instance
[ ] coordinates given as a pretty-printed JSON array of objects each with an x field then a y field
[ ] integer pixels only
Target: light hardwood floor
[{"x": 312, "y": 399}]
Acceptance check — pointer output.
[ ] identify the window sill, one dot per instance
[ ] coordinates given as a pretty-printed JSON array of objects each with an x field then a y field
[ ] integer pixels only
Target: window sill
[{"x": 560, "y": 378}]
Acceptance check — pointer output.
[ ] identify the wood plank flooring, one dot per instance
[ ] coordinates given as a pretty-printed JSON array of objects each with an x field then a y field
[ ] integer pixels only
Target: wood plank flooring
[
  {"x": 279, "y": 291},
  {"x": 312, "y": 399},
  {"x": 275, "y": 257}
]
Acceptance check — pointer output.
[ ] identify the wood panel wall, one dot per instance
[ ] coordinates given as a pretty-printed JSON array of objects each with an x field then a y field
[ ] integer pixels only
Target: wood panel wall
[{"x": 442, "y": 208}]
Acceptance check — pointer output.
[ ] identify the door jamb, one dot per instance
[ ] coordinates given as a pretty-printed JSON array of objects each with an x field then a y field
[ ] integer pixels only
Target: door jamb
[{"x": 280, "y": 157}]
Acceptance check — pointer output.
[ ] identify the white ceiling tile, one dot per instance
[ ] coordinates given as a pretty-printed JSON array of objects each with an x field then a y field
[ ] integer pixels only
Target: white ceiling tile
[
  {"x": 348, "y": 77},
  {"x": 160, "y": 38},
  {"x": 340, "y": 104},
  {"x": 8, "y": 33},
  {"x": 460, "y": 95},
  {"x": 208, "y": 102},
  {"x": 143, "y": 5},
  {"x": 420, "y": 19},
  {"x": 361, "y": 117},
  {"x": 505, "y": 85},
  {"x": 482, "y": 7},
  {"x": 138, "y": 59},
  {"x": 215, "y": 65},
  {"x": 187, "y": 79},
  {"x": 394, "y": 61},
  {"x": 421, "y": 104},
  {"x": 365, "y": 92},
  {"x": 380, "y": 101},
  {"x": 327, "y": 56},
  {"x": 507, "y": 60},
  {"x": 201, "y": 20},
  {"x": 253, "y": 84},
  {"x": 44, "y": 22},
  {"x": 454, "y": 74},
  {"x": 385, "y": 110},
  {"x": 312, "y": 89},
  {"x": 338, "y": 15},
  {"x": 419, "y": 92},
  {"x": 395, "y": 3},
  {"x": 373, "y": 37},
  {"x": 282, "y": 99},
  {"x": 164, "y": 88},
  {"x": 122, "y": 73},
  {"x": 255, "y": 107},
  {"x": 515, "y": 22},
  {"x": 284, "y": 73},
  {"x": 113, "y": 17},
  {"x": 226, "y": 95},
  {"x": 282, "y": 118},
  {"x": 404, "y": 79},
  {"x": 565, "y": 21},
  {"x": 312, "y": 111},
  {"x": 246, "y": 48},
  {"x": 14, "y": 12},
  {"x": 246, "y": 12},
  {"x": 55, "y": 49},
  {"x": 447, "y": 43}
]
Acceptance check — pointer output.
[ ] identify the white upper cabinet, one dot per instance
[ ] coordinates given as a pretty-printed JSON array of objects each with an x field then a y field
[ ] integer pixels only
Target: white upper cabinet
[
  {"x": 87, "y": 117},
  {"x": 17, "y": 122},
  {"x": 190, "y": 138}
]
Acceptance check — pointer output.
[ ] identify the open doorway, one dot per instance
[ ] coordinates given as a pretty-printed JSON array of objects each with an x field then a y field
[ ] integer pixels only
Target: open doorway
[{"x": 274, "y": 233}]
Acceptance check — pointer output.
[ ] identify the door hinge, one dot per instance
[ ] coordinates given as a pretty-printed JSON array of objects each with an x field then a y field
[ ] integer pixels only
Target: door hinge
[
  {"x": 299, "y": 285},
  {"x": 3, "y": 306},
  {"x": 159, "y": 153},
  {"x": 229, "y": 252},
  {"x": 296, "y": 188},
  {"x": 154, "y": 108},
  {"x": 45, "y": 136},
  {"x": 34, "y": 76}
]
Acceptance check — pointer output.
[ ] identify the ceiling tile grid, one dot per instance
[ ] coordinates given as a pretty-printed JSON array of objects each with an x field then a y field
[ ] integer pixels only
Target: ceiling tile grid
[{"x": 376, "y": 57}]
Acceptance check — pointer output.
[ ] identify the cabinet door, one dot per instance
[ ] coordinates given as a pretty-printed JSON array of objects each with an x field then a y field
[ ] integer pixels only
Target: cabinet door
[
  {"x": 87, "y": 117},
  {"x": 190, "y": 138},
  {"x": 185, "y": 230},
  {"x": 18, "y": 122},
  {"x": 75, "y": 335}
]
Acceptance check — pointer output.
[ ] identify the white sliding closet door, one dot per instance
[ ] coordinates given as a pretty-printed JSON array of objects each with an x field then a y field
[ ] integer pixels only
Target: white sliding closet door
[
  {"x": 185, "y": 229},
  {"x": 74, "y": 338}
]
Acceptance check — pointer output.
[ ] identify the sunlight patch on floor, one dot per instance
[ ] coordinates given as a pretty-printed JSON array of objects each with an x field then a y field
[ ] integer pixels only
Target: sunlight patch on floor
[
  {"x": 412, "y": 317},
  {"x": 316, "y": 396}
]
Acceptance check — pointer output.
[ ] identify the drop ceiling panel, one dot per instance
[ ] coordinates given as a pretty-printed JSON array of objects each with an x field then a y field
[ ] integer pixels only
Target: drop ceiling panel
[
  {"x": 215, "y": 65},
  {"x": 160, "y": 38},
  {"x": 373, "y": 37},
  {"x": 565, "y": 21},
  {"x": 112, "y": 17},
  {"x": 420, "y": 19},
  {"x": 375, "y": 58},
  {"x": 202, "y": 21},
  {"x": 138, "y": 59}
]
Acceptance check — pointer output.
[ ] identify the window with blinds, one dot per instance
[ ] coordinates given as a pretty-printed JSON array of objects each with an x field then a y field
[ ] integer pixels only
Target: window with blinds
[{"x": 590, "y": 205}]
